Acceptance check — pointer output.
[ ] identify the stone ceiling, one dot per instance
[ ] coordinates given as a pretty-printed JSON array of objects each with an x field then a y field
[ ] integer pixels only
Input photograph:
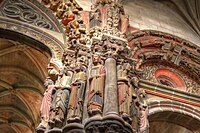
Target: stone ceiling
[
  {"x": 189, "y": 11},
  {"x": 22, "y": 71}
]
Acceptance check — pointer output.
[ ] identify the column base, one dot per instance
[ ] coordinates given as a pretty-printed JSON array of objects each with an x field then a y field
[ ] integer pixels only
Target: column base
[
  {"x": 73, "y": 128},
  {"x": 40, "y": 130},
  {"x": 55, "y": 130},
  {"x": 107, "y": 124}
]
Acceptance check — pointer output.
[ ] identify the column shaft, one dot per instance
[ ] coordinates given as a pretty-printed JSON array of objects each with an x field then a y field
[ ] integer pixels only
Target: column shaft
[{"x": 110, "y": 94}]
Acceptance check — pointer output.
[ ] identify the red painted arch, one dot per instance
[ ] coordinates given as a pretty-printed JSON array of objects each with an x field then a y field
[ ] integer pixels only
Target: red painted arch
[{"x": 174, "y": 78}]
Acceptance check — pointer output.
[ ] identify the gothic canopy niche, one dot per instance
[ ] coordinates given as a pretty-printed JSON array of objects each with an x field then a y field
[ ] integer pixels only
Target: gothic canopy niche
[
  {"x": 31, "y": 12},
  {"x": 23, "y": 68}
]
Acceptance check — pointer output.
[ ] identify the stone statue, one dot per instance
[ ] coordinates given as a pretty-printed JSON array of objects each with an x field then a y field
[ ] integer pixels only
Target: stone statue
[
  {"x": 61, "y": 9},
  {"x": 96, "y": 87},
  {"x": 60, "y": 97},
  {"x": 54, "y": 4},
  {"x": 78, "y": 84},
  {"x": 67, "y": 17},
  {"x": 142, "y": 112},
  {"x": 46, "y": 103},
  {"x": 139, "y": 62},
  {"x": 124, "y": 91},
  {"x": 95, "y": 18}
]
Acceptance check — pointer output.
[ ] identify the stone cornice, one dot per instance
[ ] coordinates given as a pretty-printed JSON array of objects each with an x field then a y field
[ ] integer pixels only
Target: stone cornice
[{"x": 170, "y": 93}]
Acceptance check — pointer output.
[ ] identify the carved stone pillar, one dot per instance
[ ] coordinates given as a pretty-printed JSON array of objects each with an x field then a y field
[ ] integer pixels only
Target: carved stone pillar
[{"x": 110, "y": 102}]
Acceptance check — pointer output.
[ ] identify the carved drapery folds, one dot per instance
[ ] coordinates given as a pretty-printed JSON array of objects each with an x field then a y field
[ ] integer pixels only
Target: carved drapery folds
[
  {"x": 46, "y": 103},
  {"x": 96, "y": 86},
  {"x": 78, "y": 85},
  {"x": 141, "y": 107},
  {"x": 97, "y": 93},
  {"x": 60, "y": 97},
  {"x": 124, "y": 91}
]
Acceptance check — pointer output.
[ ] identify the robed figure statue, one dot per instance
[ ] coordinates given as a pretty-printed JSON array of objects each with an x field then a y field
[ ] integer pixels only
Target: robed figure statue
[
  {"x": 96, "y": 87},
  {"x": 46, "y": 103},
  {"x": 60, "y": 97},
  {"x": 124, "y": 91},
  {"x": 75, "y": 107}
]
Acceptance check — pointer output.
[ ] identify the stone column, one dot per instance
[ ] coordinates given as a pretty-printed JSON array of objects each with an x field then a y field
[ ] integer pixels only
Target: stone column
[{"x": 110, "y": 94}]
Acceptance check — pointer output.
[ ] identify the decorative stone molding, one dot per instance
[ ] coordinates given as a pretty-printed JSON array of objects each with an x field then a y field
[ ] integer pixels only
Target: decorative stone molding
[
  {"x": 154, "y": 45},
  {"x": 49, "y": 41},
  {"x": 27, "y": 12},
  {"x": 189, "y": 85}
]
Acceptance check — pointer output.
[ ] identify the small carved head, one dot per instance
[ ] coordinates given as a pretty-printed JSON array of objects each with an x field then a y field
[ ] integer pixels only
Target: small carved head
[
  {"x": 96, "y": 59},
  {"x": 135, "y": 82}
]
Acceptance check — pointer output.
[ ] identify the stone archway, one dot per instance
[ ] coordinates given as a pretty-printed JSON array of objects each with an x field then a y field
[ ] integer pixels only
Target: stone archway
[
  {"x": 23, "y": 68},
  {"x": 174, "y": 117},
  {"x": 171, "y": 122}
]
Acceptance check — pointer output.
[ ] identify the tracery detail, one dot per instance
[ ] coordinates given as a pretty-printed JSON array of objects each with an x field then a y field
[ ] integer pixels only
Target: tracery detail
[{"x": 21, "y": 10}]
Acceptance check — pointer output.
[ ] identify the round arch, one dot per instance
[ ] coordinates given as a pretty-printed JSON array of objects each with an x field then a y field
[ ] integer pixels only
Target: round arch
[
  {"x": 171, "y": 116},
  {"x": 159, "y": 48},
  {"x": 28, "y": 33},
  {"x": 25, "y": 52}
]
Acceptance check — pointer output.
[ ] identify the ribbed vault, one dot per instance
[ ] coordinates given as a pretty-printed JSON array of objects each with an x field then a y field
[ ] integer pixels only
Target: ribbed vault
[
  {"x": 22, "y": 71},
  {"x": 188, "y": 10}
]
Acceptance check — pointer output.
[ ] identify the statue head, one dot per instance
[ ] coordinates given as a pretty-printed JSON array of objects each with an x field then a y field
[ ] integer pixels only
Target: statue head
[
  {"x": 62, "y": 71},
  {"x": 135, "y": 82},
  {"x": 82, "y": 62},
  {"x": 96, "y": 59}
]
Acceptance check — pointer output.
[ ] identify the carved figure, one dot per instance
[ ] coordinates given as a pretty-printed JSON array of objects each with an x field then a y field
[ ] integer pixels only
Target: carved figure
[
  {"x": 141, "y": 112},
  {"x": 95, "y": 18},
  {"x": 75, "y": 106},
  {"x": 60, "y": 97},
  {"x": 54, "y": 4},
  {"x": 61, "y": 9},
  {"x": 67, "y": 17},
  {"x": 139, "y": 62},
  {"x": 124, "y": 91},
  {"x": 46, "y": 103},
  {"x": 96, "y": 87}
]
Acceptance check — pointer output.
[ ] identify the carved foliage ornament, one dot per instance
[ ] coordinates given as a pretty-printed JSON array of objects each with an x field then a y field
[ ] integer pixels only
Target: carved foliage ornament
[
  {"x": 190, "y": 86},
  {"x": 65, "y": 10}
]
